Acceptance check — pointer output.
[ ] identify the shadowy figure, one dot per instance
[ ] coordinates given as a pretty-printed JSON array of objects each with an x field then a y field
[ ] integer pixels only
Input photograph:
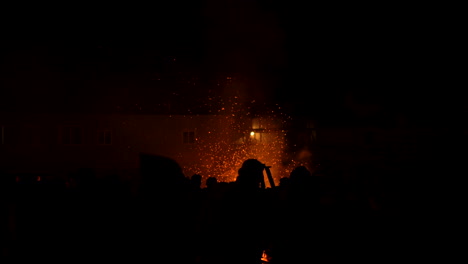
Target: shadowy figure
[
  {"x": 297, "y": 239},
  {"x": 162, "y": 209},
  {"x": 245, "y": 218},
  {"x": 195, "y": 215},
  {"x": 195, "y": 182}
]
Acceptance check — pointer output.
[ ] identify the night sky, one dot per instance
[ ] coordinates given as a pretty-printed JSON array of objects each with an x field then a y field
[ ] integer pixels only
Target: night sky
[{"x": 320, "y": 60}]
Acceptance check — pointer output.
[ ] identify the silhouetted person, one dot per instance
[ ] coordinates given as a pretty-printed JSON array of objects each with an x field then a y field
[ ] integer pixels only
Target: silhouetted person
[
  {"x": 196, "y": 181},
  {"x": 211, "y": 182},
  {"x": 162, "y": 209},
  {"x": 195, "y": 195},
  {"x": 297, "y": 238},
  {"x": 194, "y": 214},
  {"x": 245, "y": 216},
  {"x": 284, "y": 182}
]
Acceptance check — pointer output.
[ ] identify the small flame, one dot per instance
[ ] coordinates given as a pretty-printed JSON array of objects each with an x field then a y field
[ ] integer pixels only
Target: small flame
[{"x": 265, "y": 257}]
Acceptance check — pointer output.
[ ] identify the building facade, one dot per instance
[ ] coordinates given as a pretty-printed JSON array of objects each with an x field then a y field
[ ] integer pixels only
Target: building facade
[{"x": 211, "y": 145}]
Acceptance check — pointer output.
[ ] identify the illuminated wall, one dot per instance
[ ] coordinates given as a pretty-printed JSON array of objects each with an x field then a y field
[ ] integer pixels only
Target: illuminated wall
[{"x": 217, "y": 145}]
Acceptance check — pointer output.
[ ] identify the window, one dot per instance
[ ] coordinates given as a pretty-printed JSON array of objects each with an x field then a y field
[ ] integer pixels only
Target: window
[
  {"x": 72, "y": 135},
  {"x": 189, "y": 137},
  {"x": 105, "y": 137}
]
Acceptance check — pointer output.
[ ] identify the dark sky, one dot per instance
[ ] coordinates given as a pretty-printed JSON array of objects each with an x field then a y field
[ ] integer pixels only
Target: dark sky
[{"x": 307, "y": 58}]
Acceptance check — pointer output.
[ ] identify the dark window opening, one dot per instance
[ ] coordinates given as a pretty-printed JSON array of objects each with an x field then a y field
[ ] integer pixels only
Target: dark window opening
[
  {"x": 104, "y": 137},
  {"x": 72, "y": 135},
  {"x": 189, "y": 137}
]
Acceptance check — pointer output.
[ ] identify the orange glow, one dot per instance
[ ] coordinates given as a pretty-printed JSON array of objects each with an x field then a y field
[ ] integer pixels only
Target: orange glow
[
  {"x": 237, "y": 135},
  {"x": 265, "y": 257},
  {"x": 222, "y": 152}
]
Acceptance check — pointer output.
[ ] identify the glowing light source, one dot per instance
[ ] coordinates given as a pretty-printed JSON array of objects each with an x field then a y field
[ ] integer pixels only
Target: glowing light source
[
  {"x": 252, "y": 134},
  {"x": 265, "y": 257}
]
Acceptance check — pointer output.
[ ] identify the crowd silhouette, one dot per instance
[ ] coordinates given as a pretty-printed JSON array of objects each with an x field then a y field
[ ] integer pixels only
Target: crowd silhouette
[{"x": 166, "y": 217}]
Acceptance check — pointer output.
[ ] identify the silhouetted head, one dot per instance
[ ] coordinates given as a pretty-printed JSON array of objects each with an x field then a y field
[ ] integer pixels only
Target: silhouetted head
[
  {"x": 160, "y": 171},
  {"x": 284, "y": 182},
  {"x": 300, "y": 176},
  {"x": 211, "y": 182},
  {"x": 196, "y": 179},
  {"x": 251, "y": 173}
]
